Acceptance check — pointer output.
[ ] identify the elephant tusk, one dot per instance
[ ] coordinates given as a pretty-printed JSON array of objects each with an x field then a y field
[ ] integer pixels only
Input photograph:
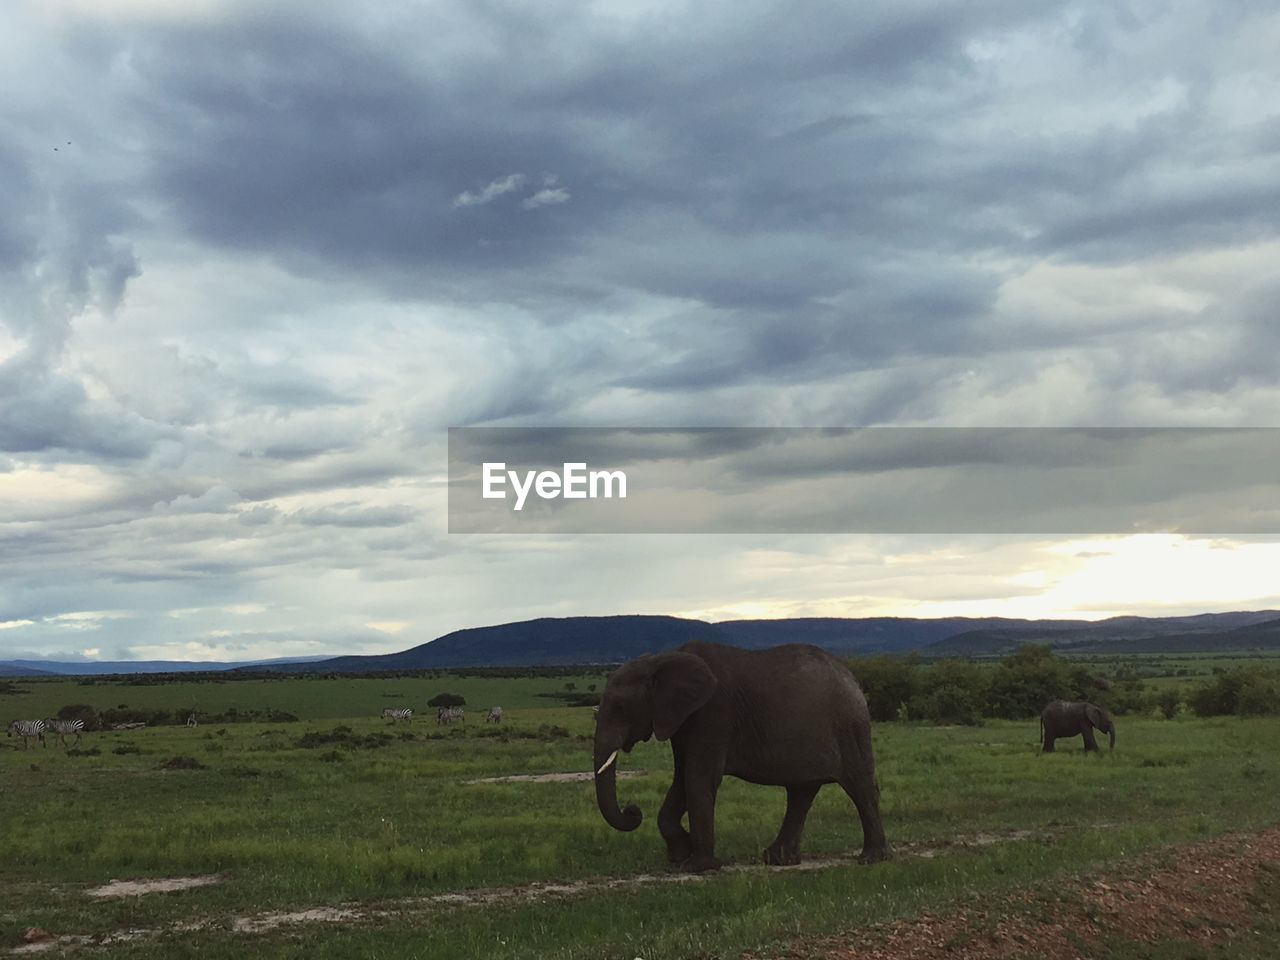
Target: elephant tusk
[{"x": 604, "y": 766}]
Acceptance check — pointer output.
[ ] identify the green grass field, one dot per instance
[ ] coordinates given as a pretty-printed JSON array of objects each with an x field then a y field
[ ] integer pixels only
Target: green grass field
[
  {"x": 309, "y": 698},
  {"x": 295, "y": 816}
]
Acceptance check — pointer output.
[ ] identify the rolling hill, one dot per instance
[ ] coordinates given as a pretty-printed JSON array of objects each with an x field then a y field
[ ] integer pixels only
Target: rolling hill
[
  {"x": 8, "y": 669},
  {"x": 578, "y": 640},
  {"x": 1201, "y": 632},
  {"x": 87, "y": 668},
  {"x": 566, "y": 641}
]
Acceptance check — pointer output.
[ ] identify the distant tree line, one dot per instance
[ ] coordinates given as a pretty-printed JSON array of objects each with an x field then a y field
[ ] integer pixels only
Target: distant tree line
[
  {"x": 1018, "y": 687},
  {"x": 1243, "y": 692},
  {"x": 106, "y": 719}
]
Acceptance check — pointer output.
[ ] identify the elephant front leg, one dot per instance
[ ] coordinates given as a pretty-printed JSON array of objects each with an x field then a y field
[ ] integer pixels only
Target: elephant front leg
[
  {"x": 700, "y": 795},
  {"x": 785, "y": 849},
  {"x": 1090, "y": 744},
  {"x": 679, "y": 846}
]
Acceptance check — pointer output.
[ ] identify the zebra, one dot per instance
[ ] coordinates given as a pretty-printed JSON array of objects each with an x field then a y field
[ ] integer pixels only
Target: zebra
[
  {"x": 398, "y": 713},
  {"x": 64, "y": 727},
  {"x": 26, "y": 729},
  {"x": 495, "y": 715},
  {"x": 450, "y": 714},
  {"x": 192, "y": 722}
]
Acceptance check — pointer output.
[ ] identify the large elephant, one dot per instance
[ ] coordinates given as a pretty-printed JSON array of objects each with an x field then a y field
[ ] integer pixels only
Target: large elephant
[
  {"x": 792, "y": 716},
  {"x": 1063, "y": 719}
]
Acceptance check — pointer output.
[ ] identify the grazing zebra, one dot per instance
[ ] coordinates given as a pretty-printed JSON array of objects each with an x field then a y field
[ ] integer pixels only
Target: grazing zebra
[
  {"x": 495, "y": 715},
  {"x": 398, "y": 713},
  {"x": 26, "y": 729},
  {"x": 450, "y": 714},
  {"x": 64, "y": 727},
  {"x": 191, "y": 721}
]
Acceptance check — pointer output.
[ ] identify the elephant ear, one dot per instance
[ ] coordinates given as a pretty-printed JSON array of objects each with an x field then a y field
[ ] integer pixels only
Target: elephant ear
[
  {"x": 682, "y": 683},
  {"x": 1097, "y": 716}
]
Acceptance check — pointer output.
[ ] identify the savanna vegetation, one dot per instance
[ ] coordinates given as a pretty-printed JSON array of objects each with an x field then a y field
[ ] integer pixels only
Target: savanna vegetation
[
  {"x": 407, "y": 826},
  {"x": 1020, "y": 684}
]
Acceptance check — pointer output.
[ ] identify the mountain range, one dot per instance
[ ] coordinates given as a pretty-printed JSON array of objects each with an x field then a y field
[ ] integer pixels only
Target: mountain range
[
  {"x": 92, "y": 668},
  {"x": 571, "y": 640},
  {"x": 577, "y": 640}
]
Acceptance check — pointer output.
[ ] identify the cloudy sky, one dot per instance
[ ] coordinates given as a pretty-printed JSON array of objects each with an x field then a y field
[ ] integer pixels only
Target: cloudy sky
[{"x": 256, "y": 257}]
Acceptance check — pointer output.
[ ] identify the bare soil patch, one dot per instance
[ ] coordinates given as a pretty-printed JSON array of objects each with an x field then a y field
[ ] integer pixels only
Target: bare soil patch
[
  {"x": 575, "y": 777},
  {"x": 1197, "y": 894},
  {"x": 137, "y": 888}
]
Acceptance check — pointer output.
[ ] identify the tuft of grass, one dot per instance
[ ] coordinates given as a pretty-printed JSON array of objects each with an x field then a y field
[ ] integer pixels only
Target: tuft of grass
[{"x": 182, "y": 763}]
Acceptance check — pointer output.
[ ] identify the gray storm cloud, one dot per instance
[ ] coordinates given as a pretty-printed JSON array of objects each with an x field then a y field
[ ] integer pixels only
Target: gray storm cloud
[{"x": 279, "y": 248}]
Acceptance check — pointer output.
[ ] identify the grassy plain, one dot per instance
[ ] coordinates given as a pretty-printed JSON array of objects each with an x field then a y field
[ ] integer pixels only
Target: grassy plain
[
  {"x": 299, "y": 815},
  {"x": 306, "y": 697}
]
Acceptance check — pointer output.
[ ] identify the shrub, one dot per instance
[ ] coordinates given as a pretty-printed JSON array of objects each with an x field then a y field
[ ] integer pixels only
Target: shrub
[
  {"x": 1259, "y": 696},
  {"x": 1127, "y": 697},
  {"x": 447, "y": 700},
  {"x": 1031, "y": 676},
  {"x": 951, "y": 692},
  {"x": 573, "y": 699},
  {"x": 1221, "y": 695},
  {"x": 1167, "y": 702},
  {"x": 342, "y": 735},
  {"x": 888, "y": 683},
  {"x": 152, "y": 718},
  {"x": 182, "y": 763},
  {"x": 82, "y": 712}
]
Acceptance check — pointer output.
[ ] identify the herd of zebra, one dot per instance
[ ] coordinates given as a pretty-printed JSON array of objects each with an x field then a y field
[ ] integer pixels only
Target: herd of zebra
[
  {"x": 30, "y": 730},
  {"x": 443, "y": 714}
]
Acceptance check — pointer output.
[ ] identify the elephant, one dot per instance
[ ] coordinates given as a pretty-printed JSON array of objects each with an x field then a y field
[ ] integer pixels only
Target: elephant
[
  {"x": 1062, "y": 719},
  {"x": 791, "y": 716}
]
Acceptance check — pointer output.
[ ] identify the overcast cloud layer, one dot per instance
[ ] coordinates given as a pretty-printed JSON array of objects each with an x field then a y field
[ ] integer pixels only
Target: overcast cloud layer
[{"x": 256, "y": 257}]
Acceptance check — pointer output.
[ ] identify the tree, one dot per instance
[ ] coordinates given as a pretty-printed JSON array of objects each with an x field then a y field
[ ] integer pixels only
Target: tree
[
  {"x": 887, "y": 683},
  {"x": 447, "y": 700},
  {"x": 953, "y": 691},
  {"x": 1032, "y": 676},
  {"x": 1168, "y": 701},
  {"x": 80, "y": 711}
]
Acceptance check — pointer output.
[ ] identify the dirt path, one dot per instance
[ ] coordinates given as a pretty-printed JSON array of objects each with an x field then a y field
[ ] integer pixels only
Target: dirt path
[
  {"x": 578, "y": 777},
  {"x": 1202, "y": 894},
  {"x": 1220, "y": 863}
]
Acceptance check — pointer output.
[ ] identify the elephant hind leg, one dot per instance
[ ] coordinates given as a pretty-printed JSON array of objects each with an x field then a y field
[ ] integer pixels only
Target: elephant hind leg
[
  {"x": 858, "y": 780},
  {"x": 785, "y": 849}
]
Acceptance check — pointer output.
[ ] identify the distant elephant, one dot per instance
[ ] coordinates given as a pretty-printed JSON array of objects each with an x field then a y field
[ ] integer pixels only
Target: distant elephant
[
  {"x": 792, "y": 716},
  {"x": 1062, "y": 719}
]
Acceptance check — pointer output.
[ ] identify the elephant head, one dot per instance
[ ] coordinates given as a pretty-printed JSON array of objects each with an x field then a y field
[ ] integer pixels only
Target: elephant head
[
  {"x": 650, "y": 696},
  {"x": 1102, "y": 721}
]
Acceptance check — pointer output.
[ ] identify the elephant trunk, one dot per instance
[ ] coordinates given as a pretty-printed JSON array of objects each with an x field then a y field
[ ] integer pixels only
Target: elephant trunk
[
  {"x": 606, "y": 777},
  {"x": 1112, "y": 732}
]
